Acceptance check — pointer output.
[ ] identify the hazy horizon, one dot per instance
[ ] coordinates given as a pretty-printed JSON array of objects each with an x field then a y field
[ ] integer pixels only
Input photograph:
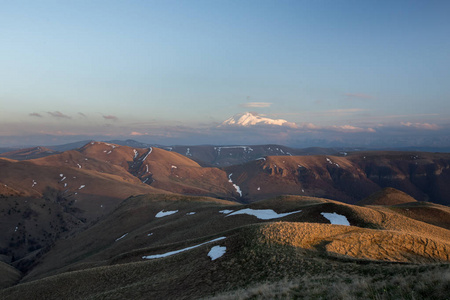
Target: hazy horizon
[{"x": 372, "y": 73}]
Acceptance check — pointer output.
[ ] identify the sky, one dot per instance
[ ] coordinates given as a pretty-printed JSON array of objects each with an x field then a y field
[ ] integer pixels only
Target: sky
[{"x": 359, "y": 73}]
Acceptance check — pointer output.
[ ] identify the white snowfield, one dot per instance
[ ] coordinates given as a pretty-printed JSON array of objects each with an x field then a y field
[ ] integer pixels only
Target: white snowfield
[
  {"x": 238, "y": 189},
  {"x": 166, "y": 213},
  {"x": 181, "y": 250},
  {"x": 217, "y": 252},
  {"x": 249, "y": 119},
  {"x": 262, "y": 214},
  {"x": 336, "y": 219}
]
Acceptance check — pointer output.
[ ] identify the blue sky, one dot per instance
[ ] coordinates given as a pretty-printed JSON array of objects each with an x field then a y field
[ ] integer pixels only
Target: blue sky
[{"x": 170, "y": 71}]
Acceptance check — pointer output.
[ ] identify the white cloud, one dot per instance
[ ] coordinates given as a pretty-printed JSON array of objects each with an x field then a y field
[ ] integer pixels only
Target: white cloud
[
  {"x": 426, "y": 126},
  {"x": 256, "y": 104},
  {"x": 135, "y": 133}
]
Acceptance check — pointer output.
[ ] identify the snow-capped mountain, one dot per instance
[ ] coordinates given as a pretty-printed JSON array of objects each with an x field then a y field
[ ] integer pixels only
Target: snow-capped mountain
[{"x": 250, "y": 119}]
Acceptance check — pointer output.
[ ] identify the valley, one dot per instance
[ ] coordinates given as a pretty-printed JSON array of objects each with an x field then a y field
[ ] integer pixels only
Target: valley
[{"x": 107, "y": 220}]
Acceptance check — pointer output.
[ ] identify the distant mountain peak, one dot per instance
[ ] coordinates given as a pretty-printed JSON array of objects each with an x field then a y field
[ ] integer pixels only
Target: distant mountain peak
[{"x": 251, "y": 119}]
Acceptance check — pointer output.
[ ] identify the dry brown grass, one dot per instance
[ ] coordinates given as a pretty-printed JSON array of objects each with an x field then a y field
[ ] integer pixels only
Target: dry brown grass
[
  {"x": 408, "y": 283},
  {"x": 8, "y": 275},
  {"x": 358, "y": 242},
  {"x": 387, "y": 196}
]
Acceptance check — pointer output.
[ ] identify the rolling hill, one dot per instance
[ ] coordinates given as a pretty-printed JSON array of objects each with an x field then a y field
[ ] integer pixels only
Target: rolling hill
[
  {"x": 180, "y": 247},
  {"x": 115, "y": 221}
]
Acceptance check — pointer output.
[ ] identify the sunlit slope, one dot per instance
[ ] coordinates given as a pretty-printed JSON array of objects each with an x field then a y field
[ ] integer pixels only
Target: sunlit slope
[
  {"x": 350, "y": 178},
  {"x": 402, "y": 203},
  {"x": 89, "y": 189},
  {"x": 387, "y": 196},
  {"x": 28, "y": 153},
  {"x": 254, "y": 250},
  {"x": 163, "y": 169},
  {"x": 135, "y": 229}
]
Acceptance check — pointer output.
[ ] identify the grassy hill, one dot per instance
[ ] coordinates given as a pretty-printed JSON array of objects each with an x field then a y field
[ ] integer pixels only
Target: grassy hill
[{"x": 301, "y": 244}]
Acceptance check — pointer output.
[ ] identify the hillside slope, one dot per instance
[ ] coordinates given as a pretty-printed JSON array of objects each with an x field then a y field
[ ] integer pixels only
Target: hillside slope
[
  {"x": 166, "y": 246},
  {"x": 350, "y": 178}
]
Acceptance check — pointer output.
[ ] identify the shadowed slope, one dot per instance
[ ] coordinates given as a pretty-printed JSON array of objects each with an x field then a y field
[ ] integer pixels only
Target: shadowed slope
[
  {"x": 8, "y": 275},
  {"x": 346, "y": 178},
  {"x": 134, "y": 230}
]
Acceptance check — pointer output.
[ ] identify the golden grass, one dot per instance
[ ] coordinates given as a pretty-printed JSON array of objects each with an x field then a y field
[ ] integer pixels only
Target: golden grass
[
  {"x": 251, "y": 264},
  {"x": 362, "y": 243}
]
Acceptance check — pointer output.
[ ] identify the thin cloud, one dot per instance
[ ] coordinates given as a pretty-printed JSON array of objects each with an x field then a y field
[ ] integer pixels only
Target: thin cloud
[
  {"x": 345, "y": 110},
  {"x": 426, "y": 126},
  {"x": 337, "y": 128},
  {"x": 256, "y": 104},
  {"x": 81, "y": 114},
  {"x": 111, "y": 117},
  {"x": 350, "y": 128},
  {"x": 135, "y": 133},
  {"x": 58, "y": 114},
  {"x": 359, "y": 96},
  {"x": 35, "y": 115}
]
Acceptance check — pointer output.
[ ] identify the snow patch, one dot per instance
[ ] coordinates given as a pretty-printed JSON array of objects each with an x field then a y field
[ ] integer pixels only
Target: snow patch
[
  {"x": 150, "y": 234},
  {"x": 79, "y": 166},
  {"x": 191, "y": 213},
  {"x": 135, "y": 153},
  {"x": 226, "y": 211},
  {"x": 259, "y": 188},
  {"x": 148, "y": 153},
  {"x": 263, "y": 214},
  {"x": 217, "y": 252},
  {"x": 238, "y": 189},
  {"x": 174, "y": 167},
  {"x": 188, "y": 152},
  {"x": 166, "y": 213},
  {"x": 82, "y": 187},
  {"x": 34, "y": 183},
  {"x": 122, "y": 237},
  {"x": 249, "y": 119},
  {"x": 336, "y": 219},
  {"x": 181, "y": 250}
]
